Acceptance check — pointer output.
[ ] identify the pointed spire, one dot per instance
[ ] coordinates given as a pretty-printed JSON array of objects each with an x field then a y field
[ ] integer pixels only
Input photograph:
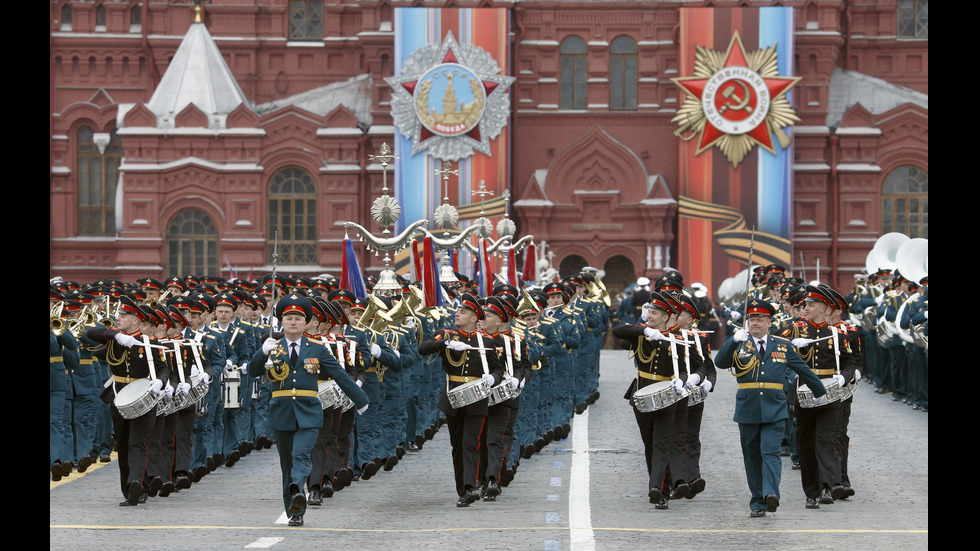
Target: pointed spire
[{"x": 198, "y": 74}]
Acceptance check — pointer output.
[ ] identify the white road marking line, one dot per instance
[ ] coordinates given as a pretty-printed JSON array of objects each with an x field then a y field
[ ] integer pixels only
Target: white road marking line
[
  {"x": 263, "y": 543},
  {"x": 579, "y": 508},
  {"x": 283, "y": 518}
]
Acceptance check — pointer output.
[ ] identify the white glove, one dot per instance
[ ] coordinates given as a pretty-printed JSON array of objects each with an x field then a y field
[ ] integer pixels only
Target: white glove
[
  {"x": 228, "y": 363},
  {"x": 243, "y": 368},
  {"x": 644, "y": 312},
  {"x": 269, "y": 345},
  {"x": 736, "y": 315},
  {"x": 375, "y": 350},
  {"x": 678, "y": 386},
  {"x": 692, "y": 380},
  {"x": 206, "y": 377},
  {"x": 652, "y": 333},
  {"x": 363, "y": 409},
  {"x": 522, "y": 383},
  {"x": 741, "y": 335},
  {"x": 800, "y": 342},
  {"x": 126, "y": 340},
  {"x": 397, "y": 353},
  {"x": 840, "y": 380},
  {"x": 168, "y": 390},
  {"x": 906, "y": 337},
  {"x": 156, "y": 387},
  {"x": 879, "y": 299},
  {"x": 857, "y": 375},
  {"x": 358, "y": 383},
  {"x": 513, "y": 382},
  {"x": 410, "y": 322},
  {"x": 926, "y": 314},
  {"x": 706, "y": 386},
  {"x": 488, "y": 378},
  {"x": 820, "y": 400},
  {"x": 184, "y": 388},
  {"x": 458, "y": 346}
]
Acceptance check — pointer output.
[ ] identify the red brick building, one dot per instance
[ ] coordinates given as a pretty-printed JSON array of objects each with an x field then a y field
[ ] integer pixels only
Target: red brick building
[{"x": 156, "y": 175}]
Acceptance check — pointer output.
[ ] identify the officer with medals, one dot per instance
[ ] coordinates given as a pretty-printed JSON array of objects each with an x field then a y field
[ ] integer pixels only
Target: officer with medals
[
  {"x": 129, "y": 361},
  {"x": 828, "y": 354},
  {"x": 657, "y": 359},
  {"x": 467, "y": 355},
  {"x": 294, "y": 364},
  {"x": 760, "y": 362}
]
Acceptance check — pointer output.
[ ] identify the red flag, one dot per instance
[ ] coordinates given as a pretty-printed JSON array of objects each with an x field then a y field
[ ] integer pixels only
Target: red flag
[
  {"x": 512, "y": 268},
  {"x": 530, "y": 261},
  {"x": 416, "y": 269}
]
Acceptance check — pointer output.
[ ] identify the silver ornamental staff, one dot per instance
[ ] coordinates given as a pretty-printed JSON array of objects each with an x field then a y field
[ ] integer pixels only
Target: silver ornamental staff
[{"x": 748, "y": 282}]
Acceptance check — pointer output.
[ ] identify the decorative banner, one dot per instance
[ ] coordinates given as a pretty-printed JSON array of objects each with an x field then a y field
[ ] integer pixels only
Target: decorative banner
[
  {"x": 512, "y": 269},
  {"x": 450, "y": 102},
  {"x": 737, "y": 80},
  {"x": 350, "y": 273},
  {"x": 530, "y": 266}
]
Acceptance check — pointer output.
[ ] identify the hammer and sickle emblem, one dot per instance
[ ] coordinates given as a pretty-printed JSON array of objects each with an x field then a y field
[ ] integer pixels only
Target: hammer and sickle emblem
[{"x": 740, "y": 104}]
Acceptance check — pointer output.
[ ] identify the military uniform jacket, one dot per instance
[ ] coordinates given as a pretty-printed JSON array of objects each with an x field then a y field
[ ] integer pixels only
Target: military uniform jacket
[
  {"x": 294, "y": 403},
  {"x": 552, "y": 342},
  {"x": 517, "y": 359},
  {"x": 654, "y": 358},
  {"x": 820, "y": 356},
  {"x": 61, "y": 345},
  {"x": 84, "y": 376},
  {"x": 761, "y": 395},
  {"x": 212, "y": 353},
  {"x": 128, "y": 364},
  {"x": 701, "y": 357},
  {"x": 466, "y": 366}
]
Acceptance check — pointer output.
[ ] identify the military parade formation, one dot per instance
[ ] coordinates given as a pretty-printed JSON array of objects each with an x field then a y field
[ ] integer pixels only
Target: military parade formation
[{"x": 192, "y": 374}]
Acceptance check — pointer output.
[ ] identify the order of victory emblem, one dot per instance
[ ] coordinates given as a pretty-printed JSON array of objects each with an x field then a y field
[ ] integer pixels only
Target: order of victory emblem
[
  {"x": 450, "y": 99},
  {"x": 735, "y": 101}
]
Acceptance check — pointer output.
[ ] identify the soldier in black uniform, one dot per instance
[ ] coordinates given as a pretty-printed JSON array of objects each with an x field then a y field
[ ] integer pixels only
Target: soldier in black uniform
[
  {"x": 128, "y": 361},
  {"x": 817, "y": 426},
  {"x": 499, "y": 433},
  {"x": 467, "y": 355},
  {"x": 655, "y": 362}
]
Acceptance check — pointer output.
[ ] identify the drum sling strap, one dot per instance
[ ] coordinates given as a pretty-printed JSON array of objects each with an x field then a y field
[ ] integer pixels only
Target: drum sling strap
[{"x": 483, "y": 358}]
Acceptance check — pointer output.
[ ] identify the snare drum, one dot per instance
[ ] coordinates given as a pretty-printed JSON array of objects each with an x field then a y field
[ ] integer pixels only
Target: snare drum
[
  {"x": 805, "y": 395},
  {"x": 468, "y": 393},
  {"x": 197, "y": 392},
  {"x": 233, "y": 385},
  {"x": 345, "y": 402},
  {"x": 166, "y": 405},
  {"x": 698, "y": 395},
  {"x": 502, "y": 393},
  {"x": 656, "y": 396},
  {"x": 329, "y": 394},
  {"x": 135, "y": 399}
]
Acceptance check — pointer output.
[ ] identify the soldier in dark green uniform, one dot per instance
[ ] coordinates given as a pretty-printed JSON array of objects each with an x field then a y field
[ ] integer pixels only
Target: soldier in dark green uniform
[
  {"x": 295, "y": 412},
  {"x": 759, "y": 361}
]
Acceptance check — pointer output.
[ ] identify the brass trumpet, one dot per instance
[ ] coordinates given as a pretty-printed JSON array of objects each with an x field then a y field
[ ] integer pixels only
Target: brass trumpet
[{"x": 58, "y": 326}]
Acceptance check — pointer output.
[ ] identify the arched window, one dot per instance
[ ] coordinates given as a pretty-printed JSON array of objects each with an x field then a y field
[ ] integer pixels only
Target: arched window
[
  {"x": 622, "y": 77},
  {"x": 571, "y": 264},
  {"x": 99, "y": 155},
  {"x": 136, "y": 18},
  {"x": 100, "y": 17},
  {"x": 572, "y": 59},
  {"x": 905, "y": 202},
  {"x": 292, "y": 211},
  {"x": 192, "y": 243},
  {"x": 306, "y": 20},
  {"x": 66, "y": 17}
]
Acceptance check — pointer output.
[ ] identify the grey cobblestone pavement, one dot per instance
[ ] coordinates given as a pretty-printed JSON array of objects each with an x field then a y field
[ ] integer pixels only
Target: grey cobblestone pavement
[{"x": 585, "y": 492}]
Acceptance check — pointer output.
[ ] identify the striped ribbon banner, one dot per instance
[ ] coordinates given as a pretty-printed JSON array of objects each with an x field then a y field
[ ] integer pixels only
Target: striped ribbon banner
[
  {"x": 418, "y": 188},
  {"x": 758, "y": 192}
]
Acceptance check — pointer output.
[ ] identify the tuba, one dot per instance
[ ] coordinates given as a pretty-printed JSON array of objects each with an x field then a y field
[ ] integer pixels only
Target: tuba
[
  {"x": 376, "y": 313},
  {"x": 526, "y": 304}
]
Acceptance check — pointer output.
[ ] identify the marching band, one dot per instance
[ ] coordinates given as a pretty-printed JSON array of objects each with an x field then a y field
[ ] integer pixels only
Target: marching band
[{"x": 198, "y": 372}]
